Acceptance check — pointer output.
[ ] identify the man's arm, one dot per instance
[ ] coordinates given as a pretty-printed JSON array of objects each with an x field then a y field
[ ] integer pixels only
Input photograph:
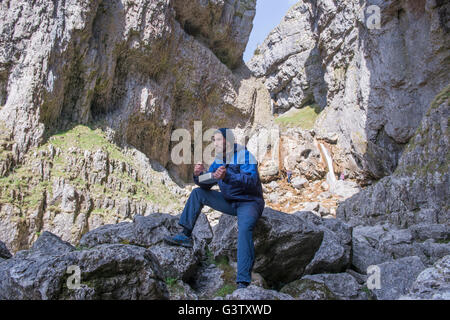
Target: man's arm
[
  {"x": 247, "y": 178},
  {"x": 206, "y": 186}
]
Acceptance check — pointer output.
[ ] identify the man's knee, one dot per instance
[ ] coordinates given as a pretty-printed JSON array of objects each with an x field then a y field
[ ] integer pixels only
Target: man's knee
[{"x": 198, "y": 191}]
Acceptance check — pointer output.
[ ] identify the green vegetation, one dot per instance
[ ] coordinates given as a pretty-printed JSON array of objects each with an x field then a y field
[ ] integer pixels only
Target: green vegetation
[
  {"x": 171, "y": 282},
  {"x": 226, "y": 289},
  {"x": 303, "y": 118},
  {"x": 79, "y": 248},
  {"x": 86, "y": 138}
]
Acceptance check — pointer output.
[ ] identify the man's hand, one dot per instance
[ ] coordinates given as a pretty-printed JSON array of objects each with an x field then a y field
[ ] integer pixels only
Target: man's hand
[
  {"x": 220, "y": 173},
  {"x": 198, "y": 169}
]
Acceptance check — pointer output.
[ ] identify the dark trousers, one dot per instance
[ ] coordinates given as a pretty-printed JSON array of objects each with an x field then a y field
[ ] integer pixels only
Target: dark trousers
[{"x": 247, "y": 212}]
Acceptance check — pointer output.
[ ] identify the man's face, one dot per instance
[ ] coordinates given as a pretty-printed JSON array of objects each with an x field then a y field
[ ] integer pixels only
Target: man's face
[{"x": 219, "y": 143}]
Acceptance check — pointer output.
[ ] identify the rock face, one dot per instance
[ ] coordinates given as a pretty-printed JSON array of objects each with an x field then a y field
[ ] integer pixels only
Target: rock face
[
  {"x": 223, "y": 25},
  {"x": 79, "y": 181},
  {"x": 284, "y": 244},
  {"x": 133, "y": 66},
  {"x": 374, "y": 81},
  {"x": 417, "y": 191},
  {"x": 289, "y": 60}
]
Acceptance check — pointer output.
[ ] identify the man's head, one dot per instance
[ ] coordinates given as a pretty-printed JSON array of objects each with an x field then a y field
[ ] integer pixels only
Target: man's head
[{"x": 223, "y": 140}]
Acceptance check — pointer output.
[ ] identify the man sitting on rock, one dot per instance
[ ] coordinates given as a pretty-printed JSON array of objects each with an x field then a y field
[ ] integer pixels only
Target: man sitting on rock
[{"x": 236, "y": 172}]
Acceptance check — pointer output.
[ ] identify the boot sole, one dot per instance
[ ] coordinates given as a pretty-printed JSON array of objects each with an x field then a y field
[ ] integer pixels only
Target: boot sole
[{"x": 169, "y": 241}]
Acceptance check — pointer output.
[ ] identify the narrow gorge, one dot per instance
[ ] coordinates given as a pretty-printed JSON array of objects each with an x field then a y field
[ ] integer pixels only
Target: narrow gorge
[{"x": 350, "y": 99}]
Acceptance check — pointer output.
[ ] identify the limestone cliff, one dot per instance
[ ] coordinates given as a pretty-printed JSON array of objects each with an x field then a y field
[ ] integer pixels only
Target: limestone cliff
[{"x": 373, "y": 73}]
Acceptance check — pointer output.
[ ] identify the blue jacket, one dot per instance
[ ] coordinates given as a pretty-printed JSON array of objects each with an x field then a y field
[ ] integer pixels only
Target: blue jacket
[{"x": 241, "y": 182}]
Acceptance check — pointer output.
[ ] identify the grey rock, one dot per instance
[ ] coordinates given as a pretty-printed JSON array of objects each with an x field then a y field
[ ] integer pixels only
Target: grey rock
[
  {"x": 181, "y": 291},
  {"x": 50, "y": 244},
  {"x": 342, "y": 285},
  {"x": 397, "y": 277},
  {"x": 359, "y": 277},
  {"x": 208, "y": 280},
  {"x": 381, "y": 243},
  {"x": 253, "y": 292},
  {"x": 149, "y": 232},
  {"x": 284, "y": 244},
  {"x": 289, "y": 62},
  {"x": 334, "y": 252},
  {"x": 365, "y": 250},
  {"x": 175, "y": 262},
  {"x": 432, "y": 283},
  {"x": 306, "y": 289},
  {"x": 273, "y": 197},
  {"x": 210, "y": 22},
  {"x": 299, "y": 182},
  {"x": 422, "y": 231},
  {"x": 4, "y": 252},
  {"x": 107, "y": 272},
  {"x": 344, "y": 188}
]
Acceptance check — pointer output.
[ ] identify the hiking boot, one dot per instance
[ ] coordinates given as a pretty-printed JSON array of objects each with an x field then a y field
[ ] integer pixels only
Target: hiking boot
[{"x": 180, "y": 240}]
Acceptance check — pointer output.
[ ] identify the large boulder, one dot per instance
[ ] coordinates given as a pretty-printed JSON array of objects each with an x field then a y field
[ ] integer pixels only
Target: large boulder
[
  {"x": 333, "y": 255},
  {"x": 284, "y": 244},
  {"x": 107, "y": 271},
  {"x": 144, "y": 231}
]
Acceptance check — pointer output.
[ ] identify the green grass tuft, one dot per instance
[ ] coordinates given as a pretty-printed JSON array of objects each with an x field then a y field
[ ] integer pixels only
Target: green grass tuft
[{"x": 303, "y": 118}]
